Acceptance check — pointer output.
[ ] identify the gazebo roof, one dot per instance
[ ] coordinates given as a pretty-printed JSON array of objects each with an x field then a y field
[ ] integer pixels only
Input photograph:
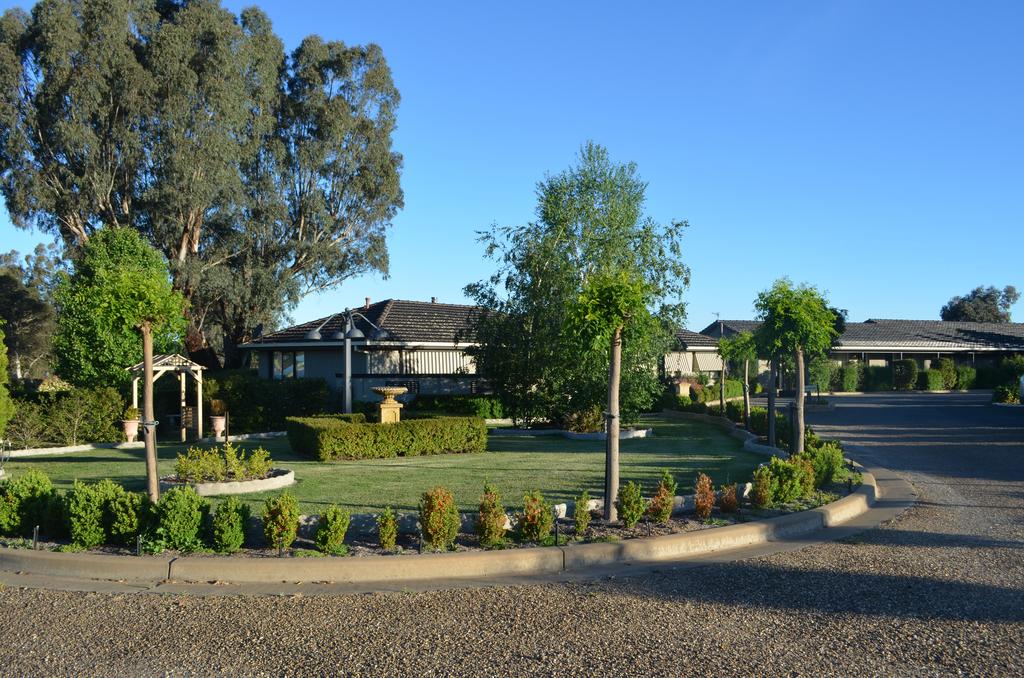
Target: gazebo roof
[{"x": 170, "y": 361}]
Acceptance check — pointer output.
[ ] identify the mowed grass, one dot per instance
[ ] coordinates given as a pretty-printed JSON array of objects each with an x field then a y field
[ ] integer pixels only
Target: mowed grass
[{"x": 559, "y": 468}]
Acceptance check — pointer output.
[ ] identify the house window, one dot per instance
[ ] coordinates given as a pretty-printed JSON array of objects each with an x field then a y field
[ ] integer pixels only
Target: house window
[{"x": 289, "y": 364}]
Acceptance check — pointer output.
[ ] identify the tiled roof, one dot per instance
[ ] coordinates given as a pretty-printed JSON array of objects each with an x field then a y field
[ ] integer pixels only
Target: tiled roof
[
  {"x": 405, "y": 321},
  {"x": 688, "y": 339},
  {"x": 934, "y": 333},
  {"x": 731, "y": 327}
]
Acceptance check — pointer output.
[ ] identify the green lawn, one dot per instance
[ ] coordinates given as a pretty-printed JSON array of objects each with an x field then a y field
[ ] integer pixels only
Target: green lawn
[{"x": 560, "y": 468}]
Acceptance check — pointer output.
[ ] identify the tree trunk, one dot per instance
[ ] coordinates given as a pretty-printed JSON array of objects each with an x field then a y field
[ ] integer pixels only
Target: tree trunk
[
  {"x": 611, "y": 474},
  {"x": 149, "y": 431},
  {"x": 17, "y": 366},
  {"x": 771, "y": 402},
  {"x": 746, "y": 394},
  {"x": 798, "y": 425},
  {"x": 721, "y": 390}
]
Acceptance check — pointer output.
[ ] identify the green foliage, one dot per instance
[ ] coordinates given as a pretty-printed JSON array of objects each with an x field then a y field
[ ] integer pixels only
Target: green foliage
[
  {"x": 119, "y": 282},
  {"x": 26, "y": 312},
  {"x": 1006, "y": 394},
  {"x": 439, "y": 519},
  {"x": 822, "y": 370},
  {"x": 706, "y": 394},
  {"x": 789, "y": 480},
  {"x": 28, "y": 427},
  {"x": 330, "y": 533},
  {"x": 703, "y": 496},
  {"x": 124, "y": 514},
  {"x": 329, "y": 439},
  {"x": 490, "y": 521},
  {"x": 878, "y": 378},
  {"x": 85, "y": 415},
  {"x": 948, "y": 369},
  {"x": 581, "y": 514},
  {"x": 280, "y": 520},
  {"x": 759, "y": 426},
  {"x": 6, "y": 404},
  {"x": 85, "y": 515},
  {"x": 542, "y": 338},
  {"x": 536, "y": 521},
  {"x": 761, "y": 492},
  {"x": 826, "y": 457},
  {"x": 851, "y": 376},
  {"x": 224, "y": 463},
  {"x": 982, "y": 305},
  {"x": 663, "y": 500},
  {"x": 631, "y": 504},
  {"x": 738, "y": 348},
  {"x": 483, "y": 406},
  {"x": 387, "y": 529},
  {"x": 932, "y": 380},
  {"x": 227, "y": 525},
  {"x": 904, "y": 374},
  {"x": 180, "y": 515},
  {"x": 260, "y": 405},
  {"x": 26, "y": 501},
  {"x": 590, "y": 420},
  {"x": 793, "y": 317},
  {"x": 734, "y": 411},
  {"x": 966, "y": 377}
]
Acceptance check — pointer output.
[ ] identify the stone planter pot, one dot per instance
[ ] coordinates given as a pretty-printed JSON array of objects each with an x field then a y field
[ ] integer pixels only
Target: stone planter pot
[
  {"x": 131, "y": 429},
  {"x": 217, "y": 423},
  {"x": 277, "y": 479}
]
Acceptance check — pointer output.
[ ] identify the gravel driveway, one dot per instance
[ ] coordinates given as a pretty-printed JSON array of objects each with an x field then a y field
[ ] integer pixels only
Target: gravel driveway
[{"x": 938, "y": 591}]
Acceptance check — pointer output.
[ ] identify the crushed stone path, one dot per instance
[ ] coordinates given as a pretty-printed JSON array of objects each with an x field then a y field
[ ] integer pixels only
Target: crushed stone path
[{"x": 937, "y": 591}]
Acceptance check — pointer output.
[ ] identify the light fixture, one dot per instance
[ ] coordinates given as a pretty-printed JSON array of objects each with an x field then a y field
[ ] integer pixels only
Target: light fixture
[
  {"x": 355, "y": 333},
  {"x": 313, "y": 334}
]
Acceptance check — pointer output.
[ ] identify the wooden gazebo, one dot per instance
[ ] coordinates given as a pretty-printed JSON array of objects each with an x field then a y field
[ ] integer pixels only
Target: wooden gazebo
[{"x": 173, "y": 362}]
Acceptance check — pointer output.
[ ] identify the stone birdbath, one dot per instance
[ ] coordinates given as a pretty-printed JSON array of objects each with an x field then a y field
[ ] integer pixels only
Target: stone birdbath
[{"x": 390, "y": 408}]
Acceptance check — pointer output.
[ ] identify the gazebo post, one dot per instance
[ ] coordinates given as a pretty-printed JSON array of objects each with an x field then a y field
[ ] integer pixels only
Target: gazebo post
[
  {"x": 199, "y": 403},
  {"x": 182, "y": 405},
  {"x": 135, "y": 393}
]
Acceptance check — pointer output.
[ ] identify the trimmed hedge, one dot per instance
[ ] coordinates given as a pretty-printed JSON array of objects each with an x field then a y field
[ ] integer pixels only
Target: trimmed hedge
[
  {"x": 878, "y": 378},
  {"x": 850, "y": 377},
  {"x": 932, "y": 380},
  {"x": 904, "y": 374},
  {"x": 966, "y": 377},
  {"x": 483, "y": 406},
  {"x": 330, "y": 439}
]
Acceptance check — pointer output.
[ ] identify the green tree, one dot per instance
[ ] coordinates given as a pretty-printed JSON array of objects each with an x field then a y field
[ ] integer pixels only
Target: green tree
[
  {"x": 982, "y": 305},
  {"x": 6, "y": 404},
  {"x": 259, "y": 177},
  {"x": 590, "y": 223},
  {"x": 741, "y": 348},
  {"x": 25, "y": 288},
  {"x": 797, "y": 321}
]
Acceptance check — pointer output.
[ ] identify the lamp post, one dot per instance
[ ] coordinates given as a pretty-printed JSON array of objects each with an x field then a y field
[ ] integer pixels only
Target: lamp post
[{"x": 346, "y": 335}]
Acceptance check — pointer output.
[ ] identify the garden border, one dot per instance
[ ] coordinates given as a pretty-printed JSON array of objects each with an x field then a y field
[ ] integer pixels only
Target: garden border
[
  {"x": 86, "y": 447},
  {"x": 279, "y": 478}
]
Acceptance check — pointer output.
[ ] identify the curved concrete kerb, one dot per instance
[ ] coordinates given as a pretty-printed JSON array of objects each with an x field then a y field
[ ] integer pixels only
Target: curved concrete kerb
[{"x": 277, "y": 479}]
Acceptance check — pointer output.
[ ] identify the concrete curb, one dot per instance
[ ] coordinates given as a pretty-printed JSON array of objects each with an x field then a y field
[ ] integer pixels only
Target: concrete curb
[
  {"x": 281, "y": 478},
  {"x": 451, "y": 566},
  {"x": 69, "y": 449}
]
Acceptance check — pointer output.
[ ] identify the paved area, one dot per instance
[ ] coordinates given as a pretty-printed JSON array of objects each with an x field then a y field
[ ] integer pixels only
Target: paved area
[{"x": 937, "y": 591}]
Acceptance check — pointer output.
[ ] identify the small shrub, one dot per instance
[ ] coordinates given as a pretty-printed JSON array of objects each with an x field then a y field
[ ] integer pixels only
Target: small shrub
[
  {"x": 761, "y": 492},
  {"x": 904, "y": 374},
  {"x": 805, "y": 473},
  {"x": 1006, "y": 394},
  {"x": 330, "y": 533},
  {"x": 537, "y": 520},
  {"x": 228, "y": 525},
  {"x": 28, "y": 498},
  {"x": 664, "y": 496},
  {"x": 490, "y": 521},
  {"x": 28, "y": 427},
  {"x": 219, "y": 464},
  {"x": 123, "y": 516},
  {"x": 631, "y": 504},
  {"x": 727, "y": 499},
  {"x": 826, "y": 457},
  {"x": 734, "y": 411},
  {"x": 932, "y": 380},
  {"x": 703, "y": 496},
  {"x": 180, "y": 515},
  {"x": 281, "y": 520},
  {"x": 586, "y": 421},
  {"x": 387, "y": 529},
  {"x": 439, "y": 519},
  {"x": 948, "y": 370},
  {"x": 850, "y": 377},
  {"x": 259, "y": 464},
  {"x": 581, "y": 514},
  {"x": 966, "y": 377},
  {"x": 85, "y": 515},
  {"x": 788, "y": 480}
]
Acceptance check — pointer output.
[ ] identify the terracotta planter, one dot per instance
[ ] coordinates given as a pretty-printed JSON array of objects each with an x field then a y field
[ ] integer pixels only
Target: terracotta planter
[
  {"x": 131, "y": 429},
  {"x": 217, "y": 424}
]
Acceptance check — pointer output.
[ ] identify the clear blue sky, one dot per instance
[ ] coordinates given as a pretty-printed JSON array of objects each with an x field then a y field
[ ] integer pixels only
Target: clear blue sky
[{"x": 874, "y": 149}]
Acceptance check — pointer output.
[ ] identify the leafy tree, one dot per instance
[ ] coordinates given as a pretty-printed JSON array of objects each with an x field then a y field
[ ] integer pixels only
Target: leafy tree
[
  {"x": 259, "y": 177},
  {"x": 590, "y": 223},
  {"x": 25, "y": 305},
  {"x": 6, "y": 403},
  {"x": 795, "y": 320},
  {"x": 982, "y": 305},
  {"x": 740, "y": 348}
]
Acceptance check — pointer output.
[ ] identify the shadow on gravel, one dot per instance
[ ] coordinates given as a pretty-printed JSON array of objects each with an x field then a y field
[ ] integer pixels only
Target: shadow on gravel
[{"x": 938, "y": 540}]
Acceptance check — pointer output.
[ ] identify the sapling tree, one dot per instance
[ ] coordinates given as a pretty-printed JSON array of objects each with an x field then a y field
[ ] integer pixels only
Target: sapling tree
[{"x": 740, "y": 348}]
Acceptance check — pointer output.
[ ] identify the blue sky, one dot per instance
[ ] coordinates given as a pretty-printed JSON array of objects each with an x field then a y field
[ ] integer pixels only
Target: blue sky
[{"x": 874, "y": 149}]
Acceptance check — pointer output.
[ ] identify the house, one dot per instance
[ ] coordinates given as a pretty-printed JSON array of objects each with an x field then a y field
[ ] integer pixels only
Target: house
[
  {"x": 416, "y": 344},
  {"x": 879, "y": 342}
]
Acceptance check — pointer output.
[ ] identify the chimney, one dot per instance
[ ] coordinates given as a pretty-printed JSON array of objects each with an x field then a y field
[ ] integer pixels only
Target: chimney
[
  {"x": 367, "y": 304},
  {"x": 433, "y": 300}
]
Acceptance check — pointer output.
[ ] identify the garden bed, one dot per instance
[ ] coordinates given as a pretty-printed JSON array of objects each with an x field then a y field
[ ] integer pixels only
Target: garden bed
[{"x": 278, "y": 478}]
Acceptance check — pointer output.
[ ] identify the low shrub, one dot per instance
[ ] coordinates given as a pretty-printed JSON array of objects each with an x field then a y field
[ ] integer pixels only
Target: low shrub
[
  {"x": 631, "y": 504},
  {"x": 27, "y": 501},
  {"x": 483, "y": 406},
  {"x": 932, "y": 380},
  {"x": 28, "y": 427},
  {"x": 85, "y": 415},
  {"x": 759, "y": 426},
  {"x": 227, "y": 525},
  {"x": 387, "y": 529},
  {"x": 328, "y": 439},
  {"x": 850, "y": 377},
  {"x": 585, "y": 421},
  {"x": 789, "y": 479},
  {"x": 85, "y": 515},
  {"x": 662, "y": 502},
  {"x": 878, "y": 378},
  {"x": 966, "y": 377},
  {"x": 826, "y": 457},
  {"x": 180, "y": 515},
  {"x": 280, "y": 520},
  {"x": 805, "y": 472},
  {"x": 947, "y": 367},
  {"x": 904, "y": 374},
  {"x": 727, "y": 501},
  {"x": 330, "y": 533},
  {"x": 439, "y": 519},
  {"x": 581, "y": 514},
  {"x": 124, "y": 516},
  {"x": 734, "y": 411},
  {"x": 490, "y": 521},
  {"x": 703, "y": 496},
  {"x": 761, "y": 492},
  {"x": 1006, "y": 394},
  {"x": 822, "y": 371},
  {"x": 224, "y": 463},
  {"x": 534, "y": 524}
]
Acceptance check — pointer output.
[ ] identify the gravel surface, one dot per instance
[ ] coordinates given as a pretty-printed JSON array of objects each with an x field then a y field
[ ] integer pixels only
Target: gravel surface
[{"x": 939, "y": 591}]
